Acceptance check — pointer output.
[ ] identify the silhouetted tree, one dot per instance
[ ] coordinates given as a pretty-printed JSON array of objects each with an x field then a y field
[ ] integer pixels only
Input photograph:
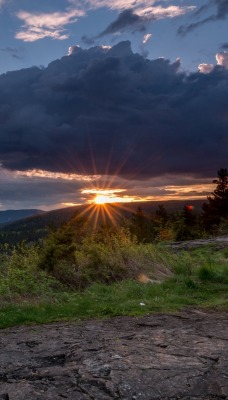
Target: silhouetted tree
[
  {"x": 217, "y": 206},
  {"x": 187, "y": 225},
  {"x": 161, "y": 215},
  {"x": 141, "y": 226},
  {"x": 188, "y": 216}
]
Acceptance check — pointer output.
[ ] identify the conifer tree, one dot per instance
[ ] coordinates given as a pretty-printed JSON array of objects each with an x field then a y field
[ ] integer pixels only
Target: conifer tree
[{"x": 217, "y": 206}]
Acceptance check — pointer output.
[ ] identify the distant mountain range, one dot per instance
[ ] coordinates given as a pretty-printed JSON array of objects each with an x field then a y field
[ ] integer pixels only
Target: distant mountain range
[
  {"x": 8, "y": 216},
  {"x": 32, "y": 225}
]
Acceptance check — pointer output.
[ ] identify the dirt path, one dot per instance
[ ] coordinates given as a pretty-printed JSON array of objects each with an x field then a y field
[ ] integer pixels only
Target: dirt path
[{"x": 182, "y": 356}]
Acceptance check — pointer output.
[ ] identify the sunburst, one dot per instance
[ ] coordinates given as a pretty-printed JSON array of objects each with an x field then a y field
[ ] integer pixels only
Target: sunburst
[{"x": 105, "y": 206}]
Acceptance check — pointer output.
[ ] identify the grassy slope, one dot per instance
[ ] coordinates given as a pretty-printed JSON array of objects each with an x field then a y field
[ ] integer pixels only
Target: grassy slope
[
  {"x": 128, "y": 298},
  {"x": 200, "y": 279}
]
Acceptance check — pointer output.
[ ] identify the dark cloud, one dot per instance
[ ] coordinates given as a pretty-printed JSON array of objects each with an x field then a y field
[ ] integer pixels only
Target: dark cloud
[
  {"x": 221, "y": 12},
  {"x": 87, "y": 40},
  {"x": 23, "y": 192},
  {"x": 126, "y": 20},
  {"x": 111, "y": 111},
  {"x": 17, "y": 52},
  {"x": 222, "y": 8}
]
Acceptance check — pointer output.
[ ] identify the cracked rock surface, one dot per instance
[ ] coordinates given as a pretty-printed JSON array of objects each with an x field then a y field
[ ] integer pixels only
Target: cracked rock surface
[{"x": 167, "y": 357}]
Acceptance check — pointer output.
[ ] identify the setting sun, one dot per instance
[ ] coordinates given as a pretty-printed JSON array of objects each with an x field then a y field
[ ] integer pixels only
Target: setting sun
[
  {"x": 104, "y": 196},
  {"x": 102, "y": 199},
  {"x": 104, "y": 204}
]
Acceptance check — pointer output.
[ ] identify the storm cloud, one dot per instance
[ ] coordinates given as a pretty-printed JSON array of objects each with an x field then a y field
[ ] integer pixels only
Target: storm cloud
[
  {"x": 221, "y": 12},
  {"x": 109, "y": 111}
]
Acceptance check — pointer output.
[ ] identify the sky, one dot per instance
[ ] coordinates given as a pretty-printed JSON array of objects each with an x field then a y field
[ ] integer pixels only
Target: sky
[{"x": 125, "y": 99}]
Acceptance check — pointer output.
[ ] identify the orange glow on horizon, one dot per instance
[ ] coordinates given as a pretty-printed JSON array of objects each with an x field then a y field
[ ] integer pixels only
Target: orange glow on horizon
[
  {"x": 107, "y": 195},
  {"x": 105, "y": 199},
  {"x": 97, "y": 189},
  {"x": 100, "y": 206}
]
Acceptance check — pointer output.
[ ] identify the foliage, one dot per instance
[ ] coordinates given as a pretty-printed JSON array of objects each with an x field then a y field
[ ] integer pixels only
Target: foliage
[
  {"x": 122, "y": 298},
  {"x": 103, "y": 256},
  {"x": 217, "y": 206},
  {"x": 188, "y": 225},
  {"x": 20, "y": 279},
  {"x": 203, "y": 265},
  {"x": 141, "y": 227},
  {"x": 78, "y": 272},
  {"x": 29, "y": 294}
]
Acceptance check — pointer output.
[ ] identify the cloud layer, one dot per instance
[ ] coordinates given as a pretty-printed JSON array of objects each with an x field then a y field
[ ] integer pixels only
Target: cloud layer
[
  {"x": 2, "y": 2},
  {"x": 133, "y": 16},
  {"x": 146, "y": 8},
  {"x": 136, "y": 17},
  {"x": 222, "y": 60},
  {"x": 125, "y": 20},
  {"x": 17, "y": 53},
  {"x": 105, "y": 110},
  {"x": 220, "y": 13},
  {"x": 40, "y": 25}
]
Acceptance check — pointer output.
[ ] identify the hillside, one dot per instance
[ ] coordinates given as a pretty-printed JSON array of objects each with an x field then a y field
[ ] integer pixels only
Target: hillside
[
  {"x": 37, "y": 226},
  {"x": 9, "y": 216}
]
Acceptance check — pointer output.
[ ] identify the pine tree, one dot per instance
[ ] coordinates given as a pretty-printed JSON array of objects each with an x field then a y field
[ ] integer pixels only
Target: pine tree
[
  {"x": 161, "y": 215},
  {"x": 217, "y": 206},
  {"x": 141, "y": 226}
]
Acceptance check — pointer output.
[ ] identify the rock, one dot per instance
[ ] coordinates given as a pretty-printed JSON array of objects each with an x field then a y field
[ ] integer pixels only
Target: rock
[
  {"x": 218, "y": 243},
  {"x": 155, "y": 357}
]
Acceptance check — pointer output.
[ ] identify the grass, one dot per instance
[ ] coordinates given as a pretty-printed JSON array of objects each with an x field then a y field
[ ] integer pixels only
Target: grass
[
  {"x": 198, "y": 278},
  {"x": 117, "y": 300}
]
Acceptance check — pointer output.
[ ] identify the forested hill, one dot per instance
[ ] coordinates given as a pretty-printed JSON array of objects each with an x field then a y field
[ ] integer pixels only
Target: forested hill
[
  {"x": 37, "y": 226},
  {"x": 9, "y": 216}
]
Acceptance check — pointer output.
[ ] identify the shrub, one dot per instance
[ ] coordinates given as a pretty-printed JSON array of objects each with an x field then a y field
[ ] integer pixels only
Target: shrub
[
  {"x": 105, "y": 257},
  {"x": 20, "y": 278}
]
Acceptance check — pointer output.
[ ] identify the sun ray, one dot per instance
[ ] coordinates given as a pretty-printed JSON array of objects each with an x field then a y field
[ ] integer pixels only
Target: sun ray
[
  {"x": 115, "y": 211},
  {"x": 88, "y": 208},
  {"x": 103, "y": 214},
  {"x": 96, "y": 219},
  {"x": 92, "y": 156},
  {"x": 110, "y": 216}
]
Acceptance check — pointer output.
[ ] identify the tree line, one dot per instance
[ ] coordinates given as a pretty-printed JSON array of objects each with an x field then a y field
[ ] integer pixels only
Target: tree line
[{"x": 187, "y": 224}]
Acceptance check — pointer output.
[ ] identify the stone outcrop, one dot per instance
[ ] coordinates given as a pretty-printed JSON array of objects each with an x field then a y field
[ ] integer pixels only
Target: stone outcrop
[{"x": 166, "y": 357}]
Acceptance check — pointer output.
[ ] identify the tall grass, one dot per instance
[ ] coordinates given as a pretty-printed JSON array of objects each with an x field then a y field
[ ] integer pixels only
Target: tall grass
[{"x": 103, "y": 278}]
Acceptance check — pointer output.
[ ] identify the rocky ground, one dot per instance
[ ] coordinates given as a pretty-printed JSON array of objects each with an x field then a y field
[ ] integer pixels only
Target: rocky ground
[
  {"x": 217, "y": 243},
  {"x": 166, "y": 357}
]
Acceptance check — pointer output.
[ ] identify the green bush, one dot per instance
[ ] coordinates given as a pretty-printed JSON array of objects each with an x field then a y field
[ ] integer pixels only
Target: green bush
[
  {"x": 21, "y": 279},
  {"x": 107, "y": 256}
]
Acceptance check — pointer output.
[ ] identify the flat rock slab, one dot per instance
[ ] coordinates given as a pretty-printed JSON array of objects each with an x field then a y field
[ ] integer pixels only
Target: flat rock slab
[
  {"x": 218, "y": 243},
  {"x": 179, "y": 356}
]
